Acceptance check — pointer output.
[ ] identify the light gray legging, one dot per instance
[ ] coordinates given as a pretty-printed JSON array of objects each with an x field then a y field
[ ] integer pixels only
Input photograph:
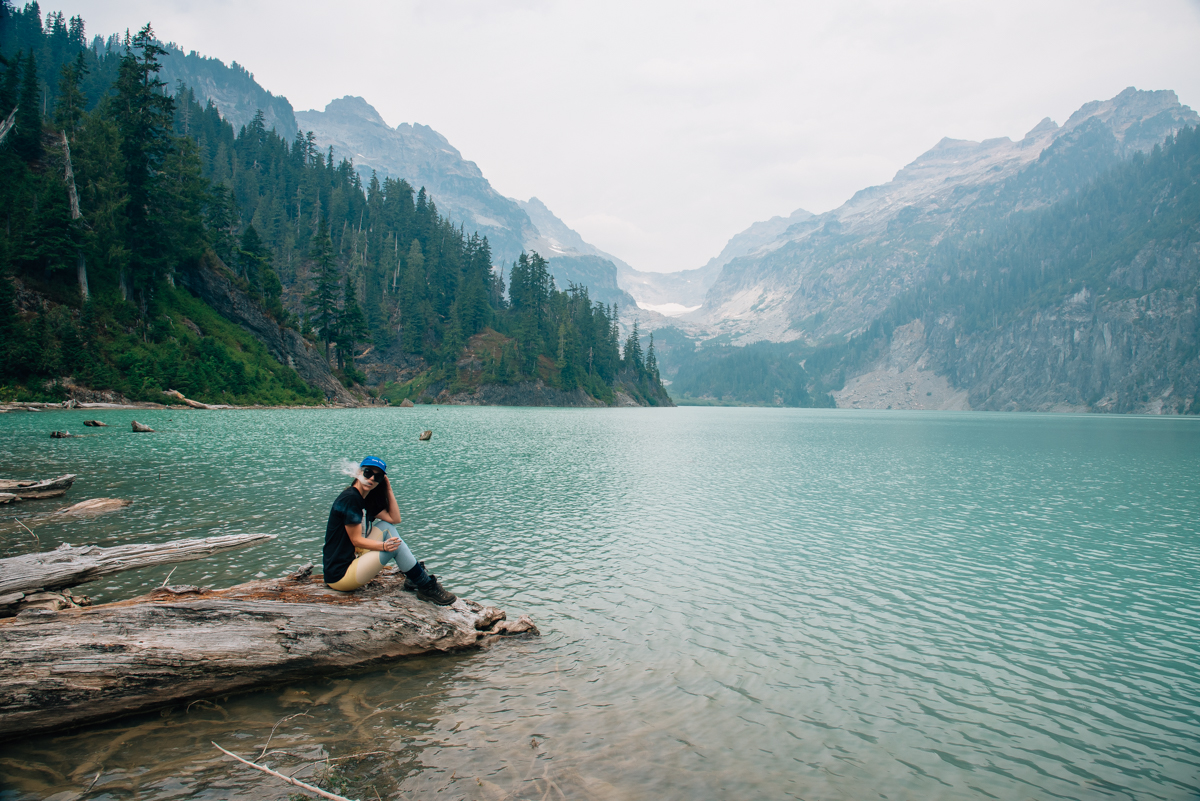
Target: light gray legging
[{"x": 367, "y": 566}]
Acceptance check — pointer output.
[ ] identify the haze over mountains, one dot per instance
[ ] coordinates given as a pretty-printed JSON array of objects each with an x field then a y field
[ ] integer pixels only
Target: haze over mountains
[
  {"x": 354, "y": 130},
  {"x": 833, "y": 273},
  {"x": 817, "y": 280}
]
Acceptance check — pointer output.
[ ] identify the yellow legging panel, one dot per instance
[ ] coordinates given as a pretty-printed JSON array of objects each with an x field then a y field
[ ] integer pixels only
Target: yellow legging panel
[{"x": 367, "y": 565}]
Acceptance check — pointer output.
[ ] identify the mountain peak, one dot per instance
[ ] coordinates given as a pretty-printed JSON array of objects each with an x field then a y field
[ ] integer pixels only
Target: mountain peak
[
  {"x": 352, "y": 107},
  {"x": 1139, "y": 119},
  {"x": 1047, "y": 125}
]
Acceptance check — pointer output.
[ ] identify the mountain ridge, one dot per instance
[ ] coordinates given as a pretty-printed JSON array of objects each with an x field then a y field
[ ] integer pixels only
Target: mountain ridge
[{"x": 818, "y": 279}]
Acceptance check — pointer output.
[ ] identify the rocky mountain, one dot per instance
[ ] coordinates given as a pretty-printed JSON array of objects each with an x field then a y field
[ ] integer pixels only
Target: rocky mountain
[
  {"x": 833, "y": 274},
  {"x": 677, "y": 293},
  {"x": 425, "y": 158},
  {"x": 574, "y": 261},
  {"x": 1089, "y": 304},
  {"x": 231, "y": 88}
]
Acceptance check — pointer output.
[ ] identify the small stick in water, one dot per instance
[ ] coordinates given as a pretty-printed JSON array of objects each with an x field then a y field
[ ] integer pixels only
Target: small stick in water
[
  {"x": 27, "y": 528},
  {"x": 288, "y": 779},
  {"x": 168, "y": 578},
  {"x": 277, "y": 725}
]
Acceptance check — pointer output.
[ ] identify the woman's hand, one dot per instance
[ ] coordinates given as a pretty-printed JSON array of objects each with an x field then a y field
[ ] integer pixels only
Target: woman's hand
[{"x": 391, "y": 544}]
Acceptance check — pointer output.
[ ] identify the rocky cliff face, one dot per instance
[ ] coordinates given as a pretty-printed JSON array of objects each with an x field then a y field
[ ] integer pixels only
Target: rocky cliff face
[
  {"x": 231, "y": 88},
  {"x": 1088, "y": 305},
  {"x": 574, "y": 261},
  {"x": 425, "y": 158},
  {"x": 1090, "y": 353},
  {"x": 416, "y": 153},
  {"x": 832, "y": 274},
  {"x": 209, "y": 280},
  {"x": 687, "y": 288}
]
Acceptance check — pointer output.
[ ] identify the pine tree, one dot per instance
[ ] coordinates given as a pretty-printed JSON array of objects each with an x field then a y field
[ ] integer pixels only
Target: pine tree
[
  {"x": 69, "y": 108},
  {"x": 352, "y": 325},
  {"x": 633, "y": 353},
  {"x": 145, "y": 121},
  {"x": 27, "y": 136},
  {"x": 322, "y": 300},
  {"x": 652, "y": 361},
  {"x": 412, "y": 301}
]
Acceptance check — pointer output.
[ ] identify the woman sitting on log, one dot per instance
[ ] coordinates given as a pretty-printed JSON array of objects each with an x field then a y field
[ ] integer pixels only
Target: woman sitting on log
[{"x": 361, "y": 537}]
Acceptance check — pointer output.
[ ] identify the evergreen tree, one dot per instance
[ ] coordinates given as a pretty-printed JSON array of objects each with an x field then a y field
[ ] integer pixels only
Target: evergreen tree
[
  {"x": 69, "y": 109},
  {"x": 652, "y": 360},
  {"x": 633, "y": 353},
  {"x": 27, "y": 135},
  {"x": 322, "y": 300},
  {"x": 144, "y": 120},
  {"x": 412, "y": 301},
  {"x": 352, "y": 325}
]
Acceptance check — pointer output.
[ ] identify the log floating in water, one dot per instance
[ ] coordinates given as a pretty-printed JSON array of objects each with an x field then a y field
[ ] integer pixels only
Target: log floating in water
[
  {"x": 70, "y": 565},
  {"x": 426, "y": 436},
  {"x": 93, "y": 506},
  {"x": 60, "y": 434},
  {"x": 142, "y": 429},
  {"x": 79, "y": 666},
  {"x": 95, "y": 424},
  {"x": 48, "y": 488}
]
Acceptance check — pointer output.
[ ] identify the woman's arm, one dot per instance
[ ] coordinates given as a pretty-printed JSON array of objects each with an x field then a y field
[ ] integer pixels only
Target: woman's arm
[
  {"x": 392, "y": 513},
  {"x": 355, "y": 532}
]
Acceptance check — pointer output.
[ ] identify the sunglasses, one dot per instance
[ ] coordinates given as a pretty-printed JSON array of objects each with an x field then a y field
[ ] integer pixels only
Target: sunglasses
[{"x": 372, "y": 473}]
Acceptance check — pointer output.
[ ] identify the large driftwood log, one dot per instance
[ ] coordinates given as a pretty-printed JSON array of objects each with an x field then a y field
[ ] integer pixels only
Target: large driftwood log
[
  {"x": 49, "y": 488},
  {"x": 92, "y": 507},
  {"x": 174, "y": 393},
  {"x": 77, "y": 666},
  {"x": 70, "y": 565}
]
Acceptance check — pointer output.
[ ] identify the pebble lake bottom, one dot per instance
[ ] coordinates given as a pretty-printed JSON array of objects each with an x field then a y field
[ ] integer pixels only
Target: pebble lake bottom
[{"x": 735, "y": 603}]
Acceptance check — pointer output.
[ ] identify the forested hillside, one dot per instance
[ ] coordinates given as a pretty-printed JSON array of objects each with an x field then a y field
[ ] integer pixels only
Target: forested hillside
[
  {"x": 1091, "y": 303},
  {"x": 116, "y": 189},
  {"x": 1088, "y": 303}
]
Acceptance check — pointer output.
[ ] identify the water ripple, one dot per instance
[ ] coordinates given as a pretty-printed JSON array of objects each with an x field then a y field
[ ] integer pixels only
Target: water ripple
[{"x": 736, "y": 603}]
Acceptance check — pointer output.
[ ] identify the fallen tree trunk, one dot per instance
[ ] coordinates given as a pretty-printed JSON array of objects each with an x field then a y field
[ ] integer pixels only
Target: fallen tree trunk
[
  {"x": 70, "y": 565},
  {"x": 78, "y": 666},
  {"x": 49, "y": 488},
  {"x": 179, "y": 396},
  {"x": 93, "y": 506}
]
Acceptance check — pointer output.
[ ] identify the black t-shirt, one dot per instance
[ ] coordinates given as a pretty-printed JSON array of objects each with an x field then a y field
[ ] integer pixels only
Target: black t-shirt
[{"x": 349, "y": 509}]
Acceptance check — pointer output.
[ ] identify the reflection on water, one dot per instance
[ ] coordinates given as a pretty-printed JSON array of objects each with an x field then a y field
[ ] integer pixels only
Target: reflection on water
[{"x": 736, "y": 603}]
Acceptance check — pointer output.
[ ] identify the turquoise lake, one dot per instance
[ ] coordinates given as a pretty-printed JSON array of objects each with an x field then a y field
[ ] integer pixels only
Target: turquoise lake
[{"x": 735, "y": 603}]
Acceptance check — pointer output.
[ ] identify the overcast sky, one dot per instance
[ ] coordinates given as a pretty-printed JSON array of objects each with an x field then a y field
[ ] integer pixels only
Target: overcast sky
[{"x": 660, "y": 129}]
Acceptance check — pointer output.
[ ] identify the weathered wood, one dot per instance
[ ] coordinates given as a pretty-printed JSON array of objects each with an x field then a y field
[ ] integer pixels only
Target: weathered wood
[
  {"x": 70, "y": 565},
  {"x": 7, "y": 497},
  {"x": 49, "y": 488},
  {"x": 95, "y": 424},
  {"x": 179, "y": 396},
  {"x": 294, "y": 782},
  {"x": 426, "y": 436},
  {"x": 93, "y": 506},
  {"x": 60, "y": 434},
  {"x": 78, "y": 666},
  {"x": 141, "y": 428}
]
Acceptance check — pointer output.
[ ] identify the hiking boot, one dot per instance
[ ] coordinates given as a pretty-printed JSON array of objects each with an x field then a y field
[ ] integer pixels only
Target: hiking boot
[
  {"x": 434, "y": 593},
  {"x": 409, "y": 584}
]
